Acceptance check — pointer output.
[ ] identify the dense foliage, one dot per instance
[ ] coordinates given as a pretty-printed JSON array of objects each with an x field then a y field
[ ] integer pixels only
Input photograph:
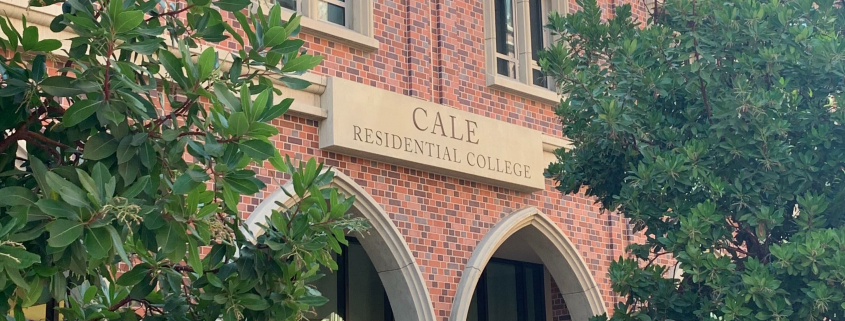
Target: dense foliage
[
  {"x": 138, "y": 149},
  {"x": 716, "y": 129}
]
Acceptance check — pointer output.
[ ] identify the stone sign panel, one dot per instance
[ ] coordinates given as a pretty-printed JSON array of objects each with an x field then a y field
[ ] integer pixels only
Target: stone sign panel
[{"x": 406, "y": 131}]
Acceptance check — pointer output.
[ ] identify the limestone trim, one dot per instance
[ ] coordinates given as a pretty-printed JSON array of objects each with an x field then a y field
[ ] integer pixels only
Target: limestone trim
[
  {"x": 384, "y": 244},
  {"x": 559, "y": 255}
]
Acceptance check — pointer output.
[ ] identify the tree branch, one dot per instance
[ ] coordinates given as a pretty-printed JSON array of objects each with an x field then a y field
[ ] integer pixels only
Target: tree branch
[{"x": 171, "y": 13}]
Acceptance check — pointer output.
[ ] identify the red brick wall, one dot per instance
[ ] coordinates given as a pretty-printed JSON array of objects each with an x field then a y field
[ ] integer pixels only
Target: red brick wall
[
  {"x": 559, "y": 310},
  {"x": 433, "y": 50}
]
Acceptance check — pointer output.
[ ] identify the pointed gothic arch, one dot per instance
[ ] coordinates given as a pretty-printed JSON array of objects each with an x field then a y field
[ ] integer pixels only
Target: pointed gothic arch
[
  {"x": 384, "y": 245},
  {"x": 557, "y": 253}
]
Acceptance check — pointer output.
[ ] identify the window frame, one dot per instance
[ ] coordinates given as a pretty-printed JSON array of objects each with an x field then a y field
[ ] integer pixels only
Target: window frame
[
  {"x": 523, "y": 83},
  {"x": 357, "y": 33},
  {"x": 348, "y": 8}
]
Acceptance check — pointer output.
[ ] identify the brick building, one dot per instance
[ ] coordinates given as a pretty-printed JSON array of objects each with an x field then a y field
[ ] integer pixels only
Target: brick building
[
  {"x": 435, "y": 116},
  {"x": 410, "y": 95}
]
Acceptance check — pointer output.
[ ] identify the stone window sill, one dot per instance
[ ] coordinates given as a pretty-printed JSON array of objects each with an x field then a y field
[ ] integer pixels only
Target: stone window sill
[
  {"x": 528, "y": 91},
  {"x": 337, "y": 33}
]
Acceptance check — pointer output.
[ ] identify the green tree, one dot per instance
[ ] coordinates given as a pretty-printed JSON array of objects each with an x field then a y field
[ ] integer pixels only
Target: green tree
[
  {"x": 137, "y": 152},
  {"x": 716, "y": 129}
]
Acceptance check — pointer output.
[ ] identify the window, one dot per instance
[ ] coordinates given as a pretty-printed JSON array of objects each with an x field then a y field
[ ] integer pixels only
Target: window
[
  {"x": 346, "y": 21},
  {"x": 333, "y": 11},
  {"x": 509, "y": 291},
  {"x": 355, "y": 291},
  {"x": 514, "y": 36}
]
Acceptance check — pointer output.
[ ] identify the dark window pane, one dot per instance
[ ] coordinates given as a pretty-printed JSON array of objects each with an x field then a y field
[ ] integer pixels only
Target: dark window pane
[
  {"x": 505, "y": 33},
  {"x": 328, "y": 286},
  {"x": 366, "y": 294},
  {"x": 539, "y": 78},
  {"x": 332, "y": 13},
  {"x": 505, "y": 67},
  {"x": 535, "y": 293},
  {"x": 289, "y": 4},
  {"x": 536, "y": 9},
  {"x": 509, "y": 291},
  {"x": 502, "y": 297}
]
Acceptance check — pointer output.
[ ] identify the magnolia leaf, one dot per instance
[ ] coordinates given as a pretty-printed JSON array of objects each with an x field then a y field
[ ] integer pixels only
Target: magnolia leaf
[
  {"x": 257, "y": 149},
  {"x": 232, "y": 5},
  {"x": 100, "y": 146},
  {"x": 17, "y": 195},
  {"x": 57, "y": 209},
  {"x": 17, "y": 258},
  {"x": 69, "y": 192},
  {"x": 275, "y": 36},
  {"x": 80, "y": 111},
  {"x": 64, "y": 232},
  {"x": 60, "y": 86},
  {"x": 98, "y": 242},
  {"x": 302, "y": 63},
  {"x": 134, "y": 276},
  {"x": 127, "y": 20}
]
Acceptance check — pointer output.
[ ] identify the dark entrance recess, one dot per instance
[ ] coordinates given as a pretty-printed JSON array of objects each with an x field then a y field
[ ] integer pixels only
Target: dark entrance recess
[
  {"x": 355, "y": 291},
  {"x": 509, "y": 291}
]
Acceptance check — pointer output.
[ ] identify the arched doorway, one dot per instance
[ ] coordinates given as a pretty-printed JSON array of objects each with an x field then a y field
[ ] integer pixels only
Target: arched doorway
[
  {"x": 384, "y": 245},
  {"x": 552, "y": 249}
]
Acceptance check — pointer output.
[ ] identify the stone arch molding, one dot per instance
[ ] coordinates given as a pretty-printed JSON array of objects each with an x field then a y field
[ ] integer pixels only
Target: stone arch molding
[
  {"x": 557, "y": 253},
  {"x": 384, "y": 244}
]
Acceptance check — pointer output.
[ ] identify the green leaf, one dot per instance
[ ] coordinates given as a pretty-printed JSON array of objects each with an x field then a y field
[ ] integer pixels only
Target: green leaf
[
  {"x": 313, "y": 300},
  {"x": 253, "y": 302},
  {"x": 100, "y": 146},
  {"x": 39, "y": 171},
  {"x": 173, "y": 66},
  {"x": 39, "y": 68},
  {"x": 276, "y": 111},
  {"x": 259, "y": 104},
  {"x": 295, "y": 83},
  {"x": 238, "y": 124},
  {"x": 290, "y": 45},
  {"x": 232, "y": 5},
  {"x": 64, "y": 232},
  {"x": 60, "y": 86},
  {"x": 184, "y": 184},
  {"x": 125, "y": 150},
  {"x": 30, "y": 38},
  {"x": 34, "y": 293},
  {"x": 47, "y": 45},
  {"x": 226, "y": 97},
  {"x": 118, "y": 245},
  {"x": 146, "y": 47},
  {"x": 69, "y": 192},
  {"x": 57, "y": 209},
  {"x": 206, "y": 62},
  {"x": 17, "y": 195},
  {"x": 171, "y": 237},
  {"x": 79, "y": 111},
  {"x": 127, "y": 21},
  {"x": 302, "y": 63},
  {"x": 257, "y": 149},
  {"x": 17, "y": 258},
  {"x": 134, "y": 276},
  {"x": 275, "y": 36},
  {"x": 194, "y": 256},
  {"x": 139, "y": 186},
  {"x": 98, "y": 242}
]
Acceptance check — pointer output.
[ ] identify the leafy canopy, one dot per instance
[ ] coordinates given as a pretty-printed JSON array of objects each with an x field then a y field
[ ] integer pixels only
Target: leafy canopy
[
  {"x": 717, "y": 130},
  {"x": 138, "y": 150}
]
